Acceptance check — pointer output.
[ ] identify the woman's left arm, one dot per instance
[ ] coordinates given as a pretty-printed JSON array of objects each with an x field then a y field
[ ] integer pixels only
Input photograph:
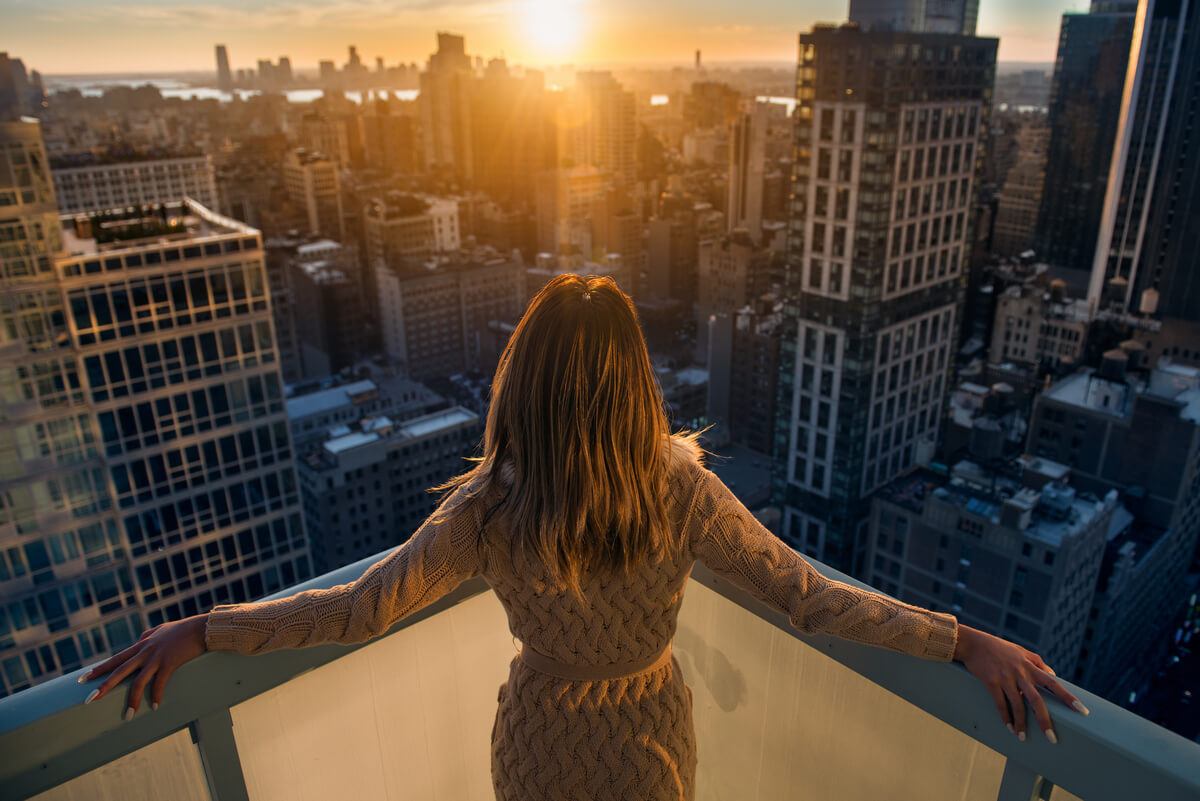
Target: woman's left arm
[{"x": 437, "y": 558}]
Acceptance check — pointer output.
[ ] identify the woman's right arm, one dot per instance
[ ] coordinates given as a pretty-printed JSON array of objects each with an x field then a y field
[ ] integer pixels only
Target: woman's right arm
[{"x": 436, "y": 559}]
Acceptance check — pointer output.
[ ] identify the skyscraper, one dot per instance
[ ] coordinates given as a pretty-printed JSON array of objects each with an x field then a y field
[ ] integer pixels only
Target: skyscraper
[
  {"x": 1146, "y": 251},
  {"x": 1085, "y": 104},
  {"x": 601, "y": 126},
  {"x": 224, "y": 77},
  {"x": 446, "y": 110},
  {"x": 1017, "y": 206},
  {"x": 889, "y": 129},
  {"x": 747, "y": 166},
  {"x": 313, "y": 184},
  {"x": 146, "y": 461}
]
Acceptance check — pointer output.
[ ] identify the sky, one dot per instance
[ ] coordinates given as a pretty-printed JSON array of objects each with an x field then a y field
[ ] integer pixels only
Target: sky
[{"x": 77, "y": 36}]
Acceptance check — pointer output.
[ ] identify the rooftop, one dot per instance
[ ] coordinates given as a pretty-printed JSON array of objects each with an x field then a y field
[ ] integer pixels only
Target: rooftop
[
  {"x": 380, "y": 429},
  {"x": 327, "y": 400},
  {"x": 1087, "y": 390},
  {"x": 118, "y": 155},
  {"x": 117, "y": 230},
  {"x": 1043, "y": 506},
  {"x": 461, "y": 262},
  {"x": 776, "y": 714}
]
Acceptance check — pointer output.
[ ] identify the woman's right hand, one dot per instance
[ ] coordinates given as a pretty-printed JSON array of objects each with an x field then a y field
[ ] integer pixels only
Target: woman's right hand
[{"x": 156, "y": 655}]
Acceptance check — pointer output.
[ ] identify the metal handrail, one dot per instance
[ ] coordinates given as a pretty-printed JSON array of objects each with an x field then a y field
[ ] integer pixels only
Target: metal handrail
[{"x": 48, "y": 737}]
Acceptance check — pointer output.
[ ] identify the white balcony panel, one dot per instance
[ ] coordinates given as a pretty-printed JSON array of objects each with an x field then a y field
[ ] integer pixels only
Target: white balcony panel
[
  {"x": 777, "y": 719},
  {"x": 167, "y": 768},
  {"x": 408, "y": 716}
]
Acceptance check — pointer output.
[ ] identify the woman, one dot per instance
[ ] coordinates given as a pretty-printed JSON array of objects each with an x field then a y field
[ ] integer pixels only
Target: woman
[{"x": 585, "y": 516}]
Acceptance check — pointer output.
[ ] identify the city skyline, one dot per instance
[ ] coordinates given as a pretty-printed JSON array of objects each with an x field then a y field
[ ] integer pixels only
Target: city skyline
[{"x": 143, "y": 37}]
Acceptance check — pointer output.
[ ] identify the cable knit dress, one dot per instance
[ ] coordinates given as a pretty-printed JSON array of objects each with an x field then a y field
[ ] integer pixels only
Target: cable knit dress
[{"x": 594, "y": 707}]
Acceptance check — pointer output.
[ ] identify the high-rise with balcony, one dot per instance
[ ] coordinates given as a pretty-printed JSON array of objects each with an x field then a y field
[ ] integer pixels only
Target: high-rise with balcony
[
  {"x": 147, "y": 468},
  {"x": 889, "y": 133}
]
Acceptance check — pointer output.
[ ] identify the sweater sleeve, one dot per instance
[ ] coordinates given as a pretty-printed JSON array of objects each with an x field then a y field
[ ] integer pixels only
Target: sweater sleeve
[
  {"x": 732, "y": 543},
  {"x": 436, "y": 559}
]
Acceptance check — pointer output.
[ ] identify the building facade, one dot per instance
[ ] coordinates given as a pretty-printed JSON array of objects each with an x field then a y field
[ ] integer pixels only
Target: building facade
[
  {"x": 747, "y": 167},
  {"x": 1008, "y": 551},
  {"x": 366, "y": 485},
  {"x": 313, "y": 184},
  {"x": 889, "y": 134},
  {"x": 1133, "y": 430},
  {"x": 1145, "y": 253},
  {"x": 90, "y": 182},
  {"x": 436, "y": 319},
  {"x": 400, "y": 226},
  {"x": 1017, "y": 207},
  {"x": 148, "y": 470},
  {"x": 1035, "y": 327}
]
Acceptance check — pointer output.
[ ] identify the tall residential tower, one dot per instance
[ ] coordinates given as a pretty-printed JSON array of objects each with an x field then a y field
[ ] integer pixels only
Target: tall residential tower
[{"x": 889, "y": 133}]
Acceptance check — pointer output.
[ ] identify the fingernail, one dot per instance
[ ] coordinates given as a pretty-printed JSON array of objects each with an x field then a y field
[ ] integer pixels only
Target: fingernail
[
  {"x": 1080, "y": 708},
  {"x": 1051, "y": 736},
  {"x": 1021, "y": 736},
  {"x": 1010, "y": 728},
  {"x": 1050, "y": 670},
  {"x": 92, "y": 696},
  {"x": 128, "y": 713},
  {"x": 83, "y": 678},
  {"x": 154, "y": 706}
]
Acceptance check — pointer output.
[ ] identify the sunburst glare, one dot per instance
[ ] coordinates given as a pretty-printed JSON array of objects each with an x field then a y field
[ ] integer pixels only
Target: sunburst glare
[{"x": 553, "y": 28}]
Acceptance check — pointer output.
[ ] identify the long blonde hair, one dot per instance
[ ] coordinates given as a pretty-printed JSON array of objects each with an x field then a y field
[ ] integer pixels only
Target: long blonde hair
[{"x": 577, "y": 421}]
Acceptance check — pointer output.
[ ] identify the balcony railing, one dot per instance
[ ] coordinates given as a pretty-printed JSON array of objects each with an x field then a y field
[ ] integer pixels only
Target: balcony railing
[{"x": 778, "y": 716}]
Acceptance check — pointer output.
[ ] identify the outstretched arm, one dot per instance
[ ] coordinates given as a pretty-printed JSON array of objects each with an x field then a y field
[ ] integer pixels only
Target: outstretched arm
[
  {"x": 731, "y": 542},
  {"x": 439, "y": 556}
]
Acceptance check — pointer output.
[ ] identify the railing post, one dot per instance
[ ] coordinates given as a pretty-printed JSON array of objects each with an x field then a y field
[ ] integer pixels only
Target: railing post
[
  {"x": 1020, "y": 783},
  {"x": 213, "y": 736}
]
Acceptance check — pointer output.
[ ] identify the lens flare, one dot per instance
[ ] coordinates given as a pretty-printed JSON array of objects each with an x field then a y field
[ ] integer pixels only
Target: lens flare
[{"x": 552, "y": 27}]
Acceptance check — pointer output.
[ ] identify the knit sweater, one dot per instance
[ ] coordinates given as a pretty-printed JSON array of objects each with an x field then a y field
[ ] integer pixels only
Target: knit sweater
[{"x": 627, "y": 737}]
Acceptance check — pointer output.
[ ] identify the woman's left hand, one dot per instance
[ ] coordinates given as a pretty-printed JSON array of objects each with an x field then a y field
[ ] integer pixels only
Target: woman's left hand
[{"x": 1012, "y": 675}]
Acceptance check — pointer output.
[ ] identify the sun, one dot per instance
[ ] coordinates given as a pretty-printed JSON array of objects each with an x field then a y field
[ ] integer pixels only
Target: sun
[{"x": 552, "y": 27}]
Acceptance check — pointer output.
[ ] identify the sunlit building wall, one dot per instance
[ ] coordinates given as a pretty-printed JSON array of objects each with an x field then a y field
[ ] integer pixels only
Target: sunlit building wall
[{"x": 146, "y": 462}]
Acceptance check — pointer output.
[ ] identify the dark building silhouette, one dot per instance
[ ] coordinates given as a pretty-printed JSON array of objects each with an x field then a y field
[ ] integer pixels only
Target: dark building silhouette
[
  {"x": 1146, "y": 259},
  {"x": 1085, "y": 106}
]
